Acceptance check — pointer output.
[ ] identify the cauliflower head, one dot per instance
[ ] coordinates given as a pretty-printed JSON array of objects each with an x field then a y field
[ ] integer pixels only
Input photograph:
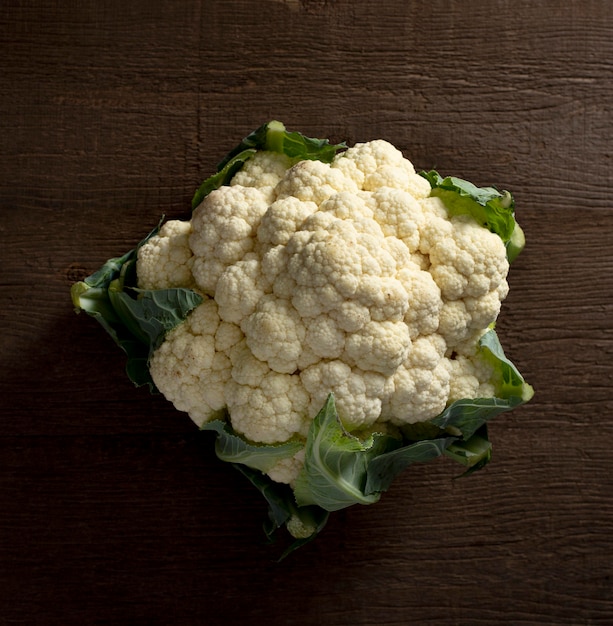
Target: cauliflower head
[{"x": 345, "y": 277}]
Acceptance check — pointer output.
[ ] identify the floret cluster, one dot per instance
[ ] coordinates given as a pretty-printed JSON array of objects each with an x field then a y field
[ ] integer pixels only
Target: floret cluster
[{"x": 345, "y": 277}]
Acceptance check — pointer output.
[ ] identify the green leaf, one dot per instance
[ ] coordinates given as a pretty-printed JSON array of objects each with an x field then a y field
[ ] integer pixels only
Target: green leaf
[
  {"x": 223, "y": 176},
  {"x": 341, "y": 470},
  {"x": 384, "y": 468},
  {"x": 233, "y": 448},
  {"x": 418, "y": 431},
  {"x": 303, "y": 523},
  {"x": 274, "y": 137},
  {"x": 278, "y": 496},
  {"x": 469, "y": 414},
  {"x": 509, "y": 382},
  {"x": 271, "y": 137},
  {"x": 491, "y": 208},
  {"x": 516, "y": 243},
  {"x": 137, "y": 320},
  {"x": 474, "y": 453},
  {"x": 265, "y": 137},
  {"x": 297, "y": 146},
  {"x": 152, "y": 313},
  {"x": 335, "y": 471}
]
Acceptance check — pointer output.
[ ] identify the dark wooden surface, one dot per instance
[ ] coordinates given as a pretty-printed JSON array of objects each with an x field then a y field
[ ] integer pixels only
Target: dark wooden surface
[{"x": 111, "y": 113}]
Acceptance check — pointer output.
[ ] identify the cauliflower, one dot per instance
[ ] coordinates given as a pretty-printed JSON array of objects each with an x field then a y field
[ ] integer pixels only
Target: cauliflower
[
  {"x": 312, "y": 264},
  {"x": 315, "y": 274}
]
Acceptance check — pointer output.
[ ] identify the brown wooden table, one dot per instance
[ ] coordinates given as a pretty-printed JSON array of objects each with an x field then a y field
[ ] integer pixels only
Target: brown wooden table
[{"x": 112, "y": 509}]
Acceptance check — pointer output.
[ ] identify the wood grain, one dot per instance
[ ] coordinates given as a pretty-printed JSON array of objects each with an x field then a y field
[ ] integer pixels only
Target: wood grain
[{"x": 112, "y": 510}]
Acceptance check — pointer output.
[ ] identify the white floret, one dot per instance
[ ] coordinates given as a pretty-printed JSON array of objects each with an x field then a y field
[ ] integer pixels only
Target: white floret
[
  {"x": 331, "y": 262},
  {"x": 436, "y": 225},
  {"x": 323, "y": 256},
  {"x": 310, "y": 301},
  {"x": 427, "y": 351},
  {"x": 282, "y": 219},
  {"x": 275, "y": 334},
  {"x": 165, "y": 260},
  {"x": 399, "y": 252},
  {"x": 377, "y": 258},
  {"x": 272, "y": 412},
  {"x": 274, "y": 261},
  {"x": 325, "y": 338},
  {"x": 400, "y": 215},
  {"x": 378, "y": 347},
  {"x": 314, "y": 181},
  {"x": 347, "y": 205},
  {"x": 385, "y": 298},
  {"x": 188, "y": 370},
  {"x": 227, "y": 336},
  {"x": 470, "y": 378},
  {"x": 454, "y": 321},
  {"x": 377, "y": 164},
  {"x": 239, "y": 289},
  {"x": 223, "y": 231},
  {"x": 351, "y": 316},
  {"x": 357, "y": 393},
  {"x": 287, "y": 470},
  {"x": 247, "y": 370},
  {"x": 471, "y": 261},
  {"x": 424, "y": 300},
  {"x": 370, "y": 156},
  {"x": 420, "y": 391},
  {"x": 264, "y": 171},
  {"x": 484, "y": 310}
]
